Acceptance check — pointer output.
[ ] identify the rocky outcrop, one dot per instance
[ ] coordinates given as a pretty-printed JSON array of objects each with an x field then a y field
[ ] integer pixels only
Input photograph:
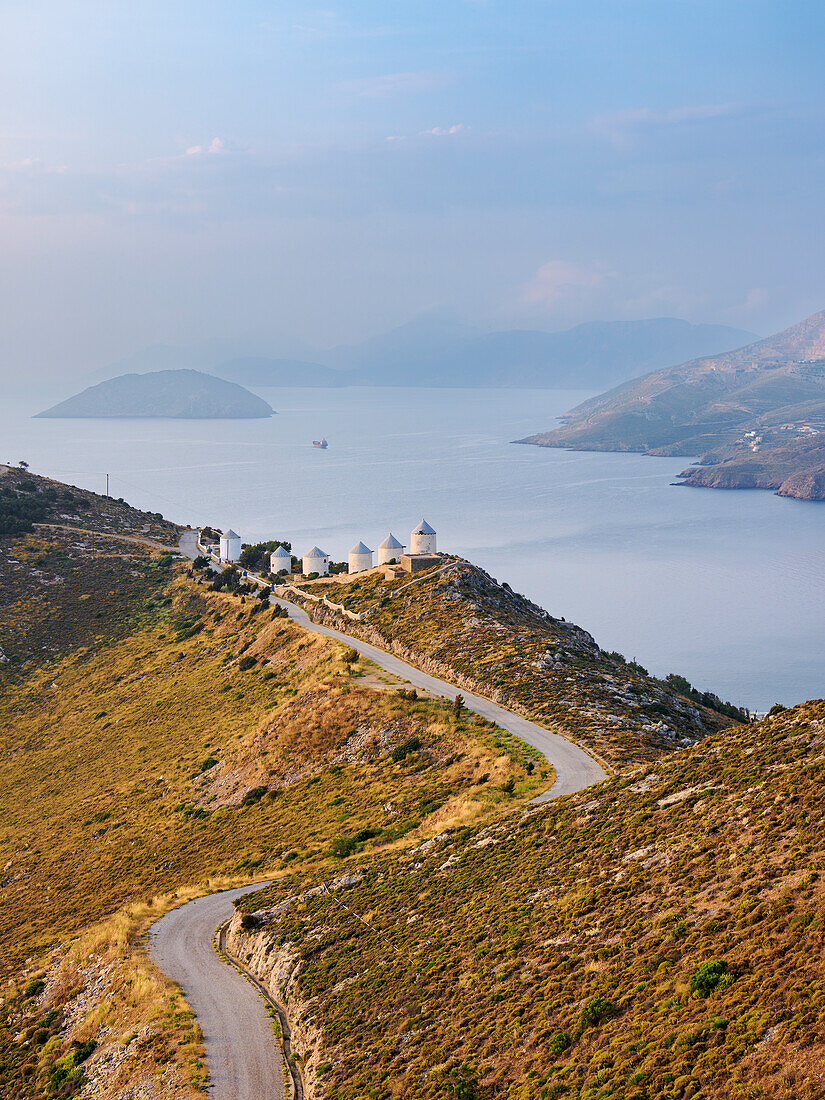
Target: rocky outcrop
[{"x": 808, "y": 485}]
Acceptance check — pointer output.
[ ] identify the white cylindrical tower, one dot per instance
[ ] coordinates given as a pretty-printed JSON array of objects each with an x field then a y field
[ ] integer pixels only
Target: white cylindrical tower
[
  {"x": 360, "y": 558},
  {"x": 422, "y": 539},
  {"x": 316, "y": 561},
  {"x": 389, "y": 549},
  {"x": 280, "y": 560},
  {"x": 230, "y": 545}
]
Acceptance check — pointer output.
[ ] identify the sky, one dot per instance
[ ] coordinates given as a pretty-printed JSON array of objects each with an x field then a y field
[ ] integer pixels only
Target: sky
[{"x": 290, "y": 176}]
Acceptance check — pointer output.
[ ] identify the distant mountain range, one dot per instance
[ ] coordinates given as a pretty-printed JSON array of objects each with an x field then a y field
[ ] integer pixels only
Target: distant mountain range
[
  {"x": 259, "y": 371},
  {"x": 437, "y": 351},
  {"x": 756, "y": 416},
  {"x": 588, "y": 356},
  {"x": 178, "y": 394}
]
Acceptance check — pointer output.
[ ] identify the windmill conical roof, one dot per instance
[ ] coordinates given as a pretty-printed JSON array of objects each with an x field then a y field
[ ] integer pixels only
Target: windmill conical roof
[
  {"x": 391, "y": 543},
  {"x": 315, "y": 552},
  {"x": 281, "y": 552},
  {"x": 360, "y": 548},
  {"x": 230, "y": 534},
  {"x": 423, "y": 529}
]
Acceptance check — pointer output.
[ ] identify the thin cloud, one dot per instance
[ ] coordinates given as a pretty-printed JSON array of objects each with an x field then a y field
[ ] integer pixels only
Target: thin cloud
[
  {"x": 557, "y": 280},
  {"x": 444, "y": 131},
  {"x": 390, "y": 84},
  {"x": 433, "y": 131},
  {"x": 214, "y": 148},
  {"x": 621, "y": 128}
]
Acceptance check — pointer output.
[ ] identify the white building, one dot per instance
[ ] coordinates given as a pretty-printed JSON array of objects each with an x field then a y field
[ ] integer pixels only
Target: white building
[
  {"x": 280, "y": 561},
  {"x": 315, "y": 561},
  {"x": 422, "y": 539},
  {"x": 230, "y": 545},
  {"x": 360, "y": 558},
  {"x": 390, "y": 548}
]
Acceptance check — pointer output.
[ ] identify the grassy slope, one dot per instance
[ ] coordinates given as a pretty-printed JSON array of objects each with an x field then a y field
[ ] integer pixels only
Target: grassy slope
[
  {"x": 494, "y": 952},
  {"x": 135, "y": 757},
  {"x": 500, "y": 644}
]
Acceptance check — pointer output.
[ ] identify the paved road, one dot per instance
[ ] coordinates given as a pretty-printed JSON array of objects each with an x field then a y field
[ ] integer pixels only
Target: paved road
[
  {"x": 243, "y": 1059},
  {"x": 574, "y": 769},
  {"x": 242, "y": 1056}
]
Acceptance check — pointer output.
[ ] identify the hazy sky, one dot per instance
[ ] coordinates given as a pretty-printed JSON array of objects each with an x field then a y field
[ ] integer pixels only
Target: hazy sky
[{"x": 174, "y": 170}]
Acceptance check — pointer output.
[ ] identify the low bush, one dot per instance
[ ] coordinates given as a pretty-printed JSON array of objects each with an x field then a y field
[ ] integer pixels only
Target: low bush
[
  {"x": 709, "y": 977},
  {"x": 558, "y": 1043},
  {"x": 596, "y": 1011},
  {"x": 400, "y": 752},
  {"x": 254, "y": 795}
]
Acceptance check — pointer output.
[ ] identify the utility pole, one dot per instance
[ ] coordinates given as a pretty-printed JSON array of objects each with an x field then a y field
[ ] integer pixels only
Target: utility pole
[{"x": 107, "y": 485}]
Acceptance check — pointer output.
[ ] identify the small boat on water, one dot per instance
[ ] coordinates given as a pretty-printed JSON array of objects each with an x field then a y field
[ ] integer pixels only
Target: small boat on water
[{"x": 322, "y": 443}]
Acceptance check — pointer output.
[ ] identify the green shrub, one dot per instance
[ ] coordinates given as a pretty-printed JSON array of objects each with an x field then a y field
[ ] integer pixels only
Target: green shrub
[
  {"x": 400, "y": 752},
  {"x": 254, "y": 795},
  {"x": 709, "y": 977},
  {"x": 343, "y": 846},
  {"x": 463, "y": 1084},
  {"x": 558, "y": 1043},
  {"x": 82, "y": 1051},
  {"x": 596, "y": 1011},
  {"x": 246, "y": 663}
]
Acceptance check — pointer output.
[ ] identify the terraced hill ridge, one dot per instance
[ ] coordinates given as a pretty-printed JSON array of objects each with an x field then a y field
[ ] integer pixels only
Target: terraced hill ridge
[
  {"x": 461, "y": 624},
  {"x": 658, "y": 937}
]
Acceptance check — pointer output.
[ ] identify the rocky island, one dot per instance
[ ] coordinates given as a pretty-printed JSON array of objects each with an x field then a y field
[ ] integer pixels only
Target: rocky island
[
  {"x": 176, "y": 394},
  {"x": 755, "y": 416}
]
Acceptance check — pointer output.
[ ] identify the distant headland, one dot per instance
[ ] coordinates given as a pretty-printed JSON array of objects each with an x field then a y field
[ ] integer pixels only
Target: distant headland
[{"x": 755, "y": 416}]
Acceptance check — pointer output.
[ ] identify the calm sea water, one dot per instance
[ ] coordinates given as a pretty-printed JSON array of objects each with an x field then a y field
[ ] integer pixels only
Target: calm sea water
[{"x": 727, "y": 588}]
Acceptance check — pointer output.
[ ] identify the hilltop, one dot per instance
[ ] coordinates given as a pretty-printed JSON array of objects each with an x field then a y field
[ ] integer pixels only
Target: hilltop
[
  {"x": 756, "y": 416},
  {"x": 178, "y": 394},
  {"x": 658, "y": 936},
  {"x": 462, "y": 625}
]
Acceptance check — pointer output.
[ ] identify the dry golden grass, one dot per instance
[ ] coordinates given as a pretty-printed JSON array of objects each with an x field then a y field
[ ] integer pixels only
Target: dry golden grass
[
  {"x": 189, "y": 738},
  {"x": 659, "y": 937}
]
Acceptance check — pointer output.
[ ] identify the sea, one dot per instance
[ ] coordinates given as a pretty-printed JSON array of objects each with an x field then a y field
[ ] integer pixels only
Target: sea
[{"x": 725, "y": 587}]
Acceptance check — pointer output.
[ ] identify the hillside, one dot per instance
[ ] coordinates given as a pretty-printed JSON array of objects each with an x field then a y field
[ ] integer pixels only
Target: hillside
[
  {"x": 464, "y": 626},
  {"x": 716, "y": 408},
  {"x": 162, "y": 736},
  {"x": 159, "y": 739},
  {"x": 177, "y": 394},
  {"x": 660, "y": 936}
]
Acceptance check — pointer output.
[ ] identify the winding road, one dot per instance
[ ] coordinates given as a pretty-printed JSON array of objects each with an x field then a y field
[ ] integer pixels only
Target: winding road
[
  {"x": 574, "y": 768},
  {"x": 243, "y": 1059},
  {"x": 242, "y": 1056}
]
